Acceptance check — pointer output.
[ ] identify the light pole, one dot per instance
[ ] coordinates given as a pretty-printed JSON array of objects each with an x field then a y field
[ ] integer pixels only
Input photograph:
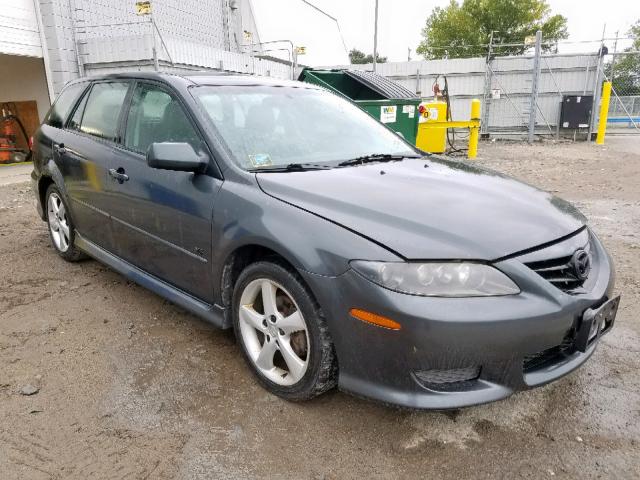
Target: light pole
[{"x": 375, "y": 39}]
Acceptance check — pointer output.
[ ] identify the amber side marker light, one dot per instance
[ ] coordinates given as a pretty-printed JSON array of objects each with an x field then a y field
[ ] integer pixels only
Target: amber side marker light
[{"x": 378, "y": 320}]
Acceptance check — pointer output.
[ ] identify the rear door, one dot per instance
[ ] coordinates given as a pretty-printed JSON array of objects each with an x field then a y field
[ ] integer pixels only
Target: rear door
[
  {"x": 161, "y": 218},
  {"x": 51, "y": 132},
  {"x": 85, "y": 151}
]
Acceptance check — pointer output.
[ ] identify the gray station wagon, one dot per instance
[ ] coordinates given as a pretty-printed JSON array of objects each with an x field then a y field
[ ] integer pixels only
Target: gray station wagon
[{"x": 340, "y": 254}]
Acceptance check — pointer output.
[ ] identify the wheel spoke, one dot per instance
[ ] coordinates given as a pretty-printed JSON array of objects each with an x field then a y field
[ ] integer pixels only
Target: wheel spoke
[
  {"x": 61, "y": 210},
  {"x": 292, "y": 323},
  {"x": 296, "y": 364},
  {"x": 65, "y": 229},
  {"x": 54, "y": 204},
  {"x": 251, "y": 317},
  {"x": 269, "y": 298},
  {"x": 265, "y": 357}
]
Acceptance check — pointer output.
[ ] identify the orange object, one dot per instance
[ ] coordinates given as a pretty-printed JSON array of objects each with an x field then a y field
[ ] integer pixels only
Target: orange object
[{"x": 374, "y": 319}]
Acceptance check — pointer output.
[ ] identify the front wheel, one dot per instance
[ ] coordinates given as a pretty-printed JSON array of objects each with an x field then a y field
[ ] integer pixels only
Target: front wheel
[{"x": 282, "y": 332}]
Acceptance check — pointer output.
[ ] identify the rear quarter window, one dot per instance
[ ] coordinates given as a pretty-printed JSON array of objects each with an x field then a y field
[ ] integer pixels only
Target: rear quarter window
[{"x": 61, "y": 108}]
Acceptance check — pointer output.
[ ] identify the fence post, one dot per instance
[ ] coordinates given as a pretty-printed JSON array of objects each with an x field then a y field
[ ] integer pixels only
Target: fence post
[
  {"x": 534, "y": 86},
  {"x": 488, "y": 78}
]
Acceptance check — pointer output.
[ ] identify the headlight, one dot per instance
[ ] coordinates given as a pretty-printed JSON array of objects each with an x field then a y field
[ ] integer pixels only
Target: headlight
[{"x": 438, "y": 279}]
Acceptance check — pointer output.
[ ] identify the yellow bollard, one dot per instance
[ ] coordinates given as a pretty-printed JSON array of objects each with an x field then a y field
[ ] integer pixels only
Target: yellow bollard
[
  {"x": 604, "y": 112},
  {"x": 474, "y": 129}
]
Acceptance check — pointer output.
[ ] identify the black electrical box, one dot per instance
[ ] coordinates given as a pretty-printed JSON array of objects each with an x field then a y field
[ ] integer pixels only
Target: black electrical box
[{"x": 576, "y": 111}]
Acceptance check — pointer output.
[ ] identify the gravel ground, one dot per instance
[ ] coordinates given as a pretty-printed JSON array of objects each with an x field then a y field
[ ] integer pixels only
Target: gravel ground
[{"x": 130, "y": 386}]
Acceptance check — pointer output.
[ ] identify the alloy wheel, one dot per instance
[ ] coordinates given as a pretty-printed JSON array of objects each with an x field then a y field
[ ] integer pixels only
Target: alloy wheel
[
  {"x": 58, "y": 222},
  {"x": 274, "y": 332}
]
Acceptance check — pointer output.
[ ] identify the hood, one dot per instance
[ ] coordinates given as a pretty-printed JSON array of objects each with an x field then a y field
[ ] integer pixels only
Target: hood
[{"x": 430, "y": 209}]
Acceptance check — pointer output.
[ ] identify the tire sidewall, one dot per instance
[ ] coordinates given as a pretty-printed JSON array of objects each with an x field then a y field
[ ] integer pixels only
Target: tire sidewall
[{"x": 310, "y": 312}]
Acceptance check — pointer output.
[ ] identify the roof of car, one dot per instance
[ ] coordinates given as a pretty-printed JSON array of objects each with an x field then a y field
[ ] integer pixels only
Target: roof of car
[{"x": 204, "y": 78}]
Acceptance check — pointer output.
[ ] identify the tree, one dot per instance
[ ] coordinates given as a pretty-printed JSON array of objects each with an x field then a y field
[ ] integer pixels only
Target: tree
[
  {"x": 625, "y": 73},
  {"x": 358, "y": 57},
  {"x": 464, "y": 30}
]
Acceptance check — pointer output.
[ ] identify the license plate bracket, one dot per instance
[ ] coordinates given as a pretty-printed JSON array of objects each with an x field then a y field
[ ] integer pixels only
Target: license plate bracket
[{"x": 595, "y": 323}]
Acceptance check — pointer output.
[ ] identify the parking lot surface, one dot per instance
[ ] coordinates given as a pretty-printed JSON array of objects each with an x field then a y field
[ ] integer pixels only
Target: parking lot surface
[{"x": 100, "y": 378}]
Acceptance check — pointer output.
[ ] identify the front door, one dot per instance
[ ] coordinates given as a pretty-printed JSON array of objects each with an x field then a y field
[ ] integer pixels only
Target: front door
[{"x": 161, "y": 218}]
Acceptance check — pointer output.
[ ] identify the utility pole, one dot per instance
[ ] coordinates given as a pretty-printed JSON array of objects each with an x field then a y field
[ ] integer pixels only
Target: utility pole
[
  {"x": 375, "y": 39},
  {"x": 408, "y": 54},
  {"x": 534, "y": 86}
]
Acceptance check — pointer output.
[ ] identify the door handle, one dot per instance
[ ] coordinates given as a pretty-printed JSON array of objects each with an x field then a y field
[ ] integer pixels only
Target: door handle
[
  {"x": 119, "y": 174},
  {"x": 59, "y": 148}
]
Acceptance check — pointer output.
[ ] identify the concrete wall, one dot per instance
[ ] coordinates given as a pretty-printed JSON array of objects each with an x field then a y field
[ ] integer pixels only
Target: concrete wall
[{"x": 23, "y": 78}]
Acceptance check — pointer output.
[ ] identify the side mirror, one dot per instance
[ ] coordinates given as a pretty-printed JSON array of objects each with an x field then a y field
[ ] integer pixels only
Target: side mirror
[{"x": 176, "y": 156}]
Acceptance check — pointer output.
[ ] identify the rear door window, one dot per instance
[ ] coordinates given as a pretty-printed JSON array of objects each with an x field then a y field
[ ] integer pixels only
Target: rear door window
[
  {"x": 102, "y": 110},
  {"x": 64, "y": 103}
]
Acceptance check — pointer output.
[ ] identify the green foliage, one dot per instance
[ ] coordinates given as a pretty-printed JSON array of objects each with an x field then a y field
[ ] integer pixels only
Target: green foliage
[
  {"x": 358, "y": 57},
  {"x": 464, "y": 29}
]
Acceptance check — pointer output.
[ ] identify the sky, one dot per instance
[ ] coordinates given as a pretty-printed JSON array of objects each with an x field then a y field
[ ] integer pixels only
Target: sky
[{"x": 400, "y": 23}]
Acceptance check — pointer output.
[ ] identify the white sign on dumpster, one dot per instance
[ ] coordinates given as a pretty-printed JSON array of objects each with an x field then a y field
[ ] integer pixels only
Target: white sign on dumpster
[
  {"x": 388, "y": 113},
  {"x": 409, "y": 110}
]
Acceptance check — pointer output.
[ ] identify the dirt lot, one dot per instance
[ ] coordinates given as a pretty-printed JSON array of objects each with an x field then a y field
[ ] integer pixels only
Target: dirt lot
[{"x": 133, "y": 387}]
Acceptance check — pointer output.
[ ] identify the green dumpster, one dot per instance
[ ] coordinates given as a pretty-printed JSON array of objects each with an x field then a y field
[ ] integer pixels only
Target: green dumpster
[{"x": 386, "y": 101}]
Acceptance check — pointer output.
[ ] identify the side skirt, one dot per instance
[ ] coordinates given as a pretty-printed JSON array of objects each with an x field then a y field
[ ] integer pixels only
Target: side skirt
[{"x": 213, "y": 314}]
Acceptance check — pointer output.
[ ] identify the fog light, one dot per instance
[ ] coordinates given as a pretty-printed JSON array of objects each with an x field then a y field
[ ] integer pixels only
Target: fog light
[{"x": 374, "y": 319}]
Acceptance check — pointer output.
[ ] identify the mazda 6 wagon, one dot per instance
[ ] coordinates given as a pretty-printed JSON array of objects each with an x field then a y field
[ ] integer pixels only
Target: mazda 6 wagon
[{"x": 339, "y": 254}]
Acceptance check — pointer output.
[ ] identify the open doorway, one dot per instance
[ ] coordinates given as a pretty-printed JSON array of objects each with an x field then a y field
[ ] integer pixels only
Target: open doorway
[{"x": 24, "y": 101}]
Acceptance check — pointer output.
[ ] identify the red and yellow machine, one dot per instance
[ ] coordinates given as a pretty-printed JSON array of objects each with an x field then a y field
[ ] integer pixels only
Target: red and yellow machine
[
  {"x": 14, "y": 144},
  {"x": 435, "y": 119}
]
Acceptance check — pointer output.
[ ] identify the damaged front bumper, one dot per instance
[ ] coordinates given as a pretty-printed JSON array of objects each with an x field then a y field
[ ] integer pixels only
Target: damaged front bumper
[{"x": 457, "y": 352}]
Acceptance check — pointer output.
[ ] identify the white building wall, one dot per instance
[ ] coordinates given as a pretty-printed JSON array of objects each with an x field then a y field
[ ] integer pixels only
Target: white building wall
[
  {"x": 19, "y": 29},
  {"x": 57, "y": 24},
  {"x": 91, "y": 36}
]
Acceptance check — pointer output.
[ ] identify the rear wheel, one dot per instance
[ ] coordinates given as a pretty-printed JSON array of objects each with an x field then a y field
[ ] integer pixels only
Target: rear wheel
[
  {"x": 282, "y": 332},
  {"x": 61, "y": 228}
]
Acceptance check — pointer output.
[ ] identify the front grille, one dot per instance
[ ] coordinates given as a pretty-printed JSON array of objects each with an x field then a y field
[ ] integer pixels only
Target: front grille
[
  {"x": 448, "y": 380},
  {"x": 559, "y": 272},
  {"x": 550, "y": 355}
]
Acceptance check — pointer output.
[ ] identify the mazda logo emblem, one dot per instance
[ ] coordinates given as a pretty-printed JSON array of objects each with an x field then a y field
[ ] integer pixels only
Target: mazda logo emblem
[{"x": 581, "y": 263}]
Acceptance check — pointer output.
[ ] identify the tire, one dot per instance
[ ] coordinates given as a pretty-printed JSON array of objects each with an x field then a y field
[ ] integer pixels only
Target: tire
[
  {"x": 292, "y": 302},
  {"x": 61, "y": 227}
]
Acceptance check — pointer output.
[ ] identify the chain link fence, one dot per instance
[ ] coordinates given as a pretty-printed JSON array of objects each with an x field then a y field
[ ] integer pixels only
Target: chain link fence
[
  {"x": 530, "y": 95},
  {"x": 623, "y": 70}
]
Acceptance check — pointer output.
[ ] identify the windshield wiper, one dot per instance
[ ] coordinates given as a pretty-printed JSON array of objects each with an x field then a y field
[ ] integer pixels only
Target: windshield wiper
[
  {"x": 375, "y": 157},
  {"x": 291, "y": 167}
]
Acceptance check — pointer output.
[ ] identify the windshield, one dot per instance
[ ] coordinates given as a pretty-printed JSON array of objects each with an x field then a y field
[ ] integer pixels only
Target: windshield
[{"x": 268, "y": 126}]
